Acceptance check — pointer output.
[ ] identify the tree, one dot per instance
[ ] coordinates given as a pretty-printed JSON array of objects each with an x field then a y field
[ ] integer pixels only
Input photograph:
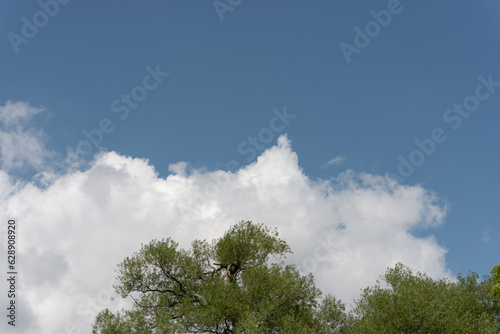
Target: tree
[
  {"x": 495, "y": 290},
  {"x": 227, "y": 286},
  {"x": 415, "y": 303}
]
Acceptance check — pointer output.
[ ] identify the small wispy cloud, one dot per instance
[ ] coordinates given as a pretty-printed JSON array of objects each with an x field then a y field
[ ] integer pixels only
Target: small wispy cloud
[
  {"x": 21, "y": 145},
  {"x": 486, "y": 236},
  {"x": 334, "y": 162}
]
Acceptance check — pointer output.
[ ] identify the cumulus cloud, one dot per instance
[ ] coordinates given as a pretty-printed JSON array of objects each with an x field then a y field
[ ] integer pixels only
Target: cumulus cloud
[
  {"x": 21, "y": 146},
  {"x": 73, "y": 232}
]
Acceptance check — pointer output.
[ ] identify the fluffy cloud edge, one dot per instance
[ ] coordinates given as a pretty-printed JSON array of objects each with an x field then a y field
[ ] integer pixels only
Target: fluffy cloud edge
[{"x": 346, "y": 230}]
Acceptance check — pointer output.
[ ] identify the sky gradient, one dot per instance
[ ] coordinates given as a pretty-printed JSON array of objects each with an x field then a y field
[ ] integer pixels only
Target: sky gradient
[{"x": 367, "y": 133}]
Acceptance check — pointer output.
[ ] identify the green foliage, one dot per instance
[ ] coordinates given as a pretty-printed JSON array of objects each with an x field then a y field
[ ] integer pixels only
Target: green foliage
[
  {"x": 224, "y": 287},
  {"x": 247, "y": 244},
  {"x": 230, "y": 286},
  {"x": 415, "y": 303},
  {"x": 331, "y": 316},
  {"x": 495, "y": 289}
]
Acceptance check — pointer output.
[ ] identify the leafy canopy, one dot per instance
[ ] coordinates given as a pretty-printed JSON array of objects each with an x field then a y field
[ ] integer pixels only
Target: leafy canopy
[
  {"x": 227, "y": 286},
  {"x": 230, "y": 286},
  {"x": 415, "y": 303},
  {"x": 495, "y": 290}
]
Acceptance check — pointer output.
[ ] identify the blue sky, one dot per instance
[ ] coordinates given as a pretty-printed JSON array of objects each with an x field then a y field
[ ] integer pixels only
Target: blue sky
[{"x": 227, "y": 76}]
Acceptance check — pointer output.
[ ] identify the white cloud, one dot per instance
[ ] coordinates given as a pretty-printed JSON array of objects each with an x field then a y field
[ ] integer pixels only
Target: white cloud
[
  {"x": 74, "y": 232},
  {"x": 20, "y": 145},
  {"x": 334, "y": 162},
  {"x": 486, "y": 236},
  {"x": 15, "y": 114}
]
